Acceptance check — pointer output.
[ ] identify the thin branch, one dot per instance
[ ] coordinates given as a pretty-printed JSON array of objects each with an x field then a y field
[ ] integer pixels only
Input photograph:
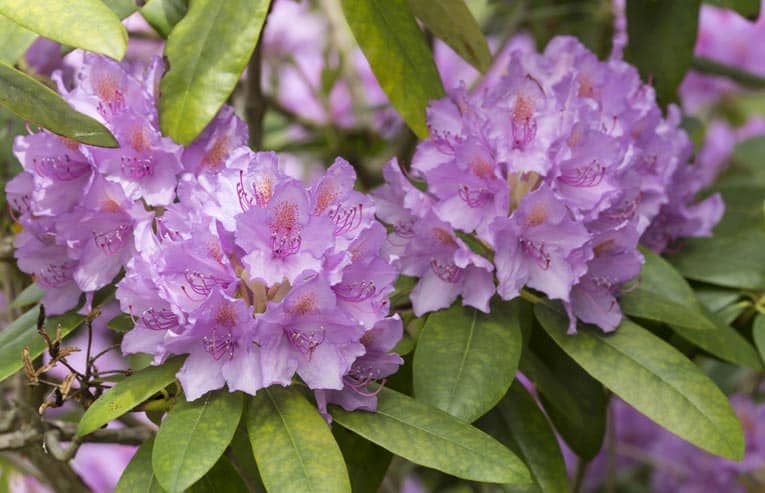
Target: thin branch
[{"x": 743, "y": 77}]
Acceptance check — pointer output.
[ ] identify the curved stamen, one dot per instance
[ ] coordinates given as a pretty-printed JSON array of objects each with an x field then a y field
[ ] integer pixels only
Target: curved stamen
[
  {"x": 164, "y": 232},
  {"x": 202, "y": 284},
  {"x": 474, "y": 197},
  {"x": 55, "y": 275},
  {"x": 21, "y": 204},
  {"x": 356, "y": 291},
  {"x": 446, "y": 272},
  {"x": 624, "y": 212},
  {"x": 524, "y": 131},
  {"x": 136, "y": 168},
  {"x": 306, "y": 342},
  {"x": 162, "y": 319},
  {"x": 114, "y": 103},
  {"x": 404, "y": 228},
  {"x": 111, "y": 242},
  {"x": 584, "y": 176},
  {"x": 60, "y": 167},
  {"x": 346, "y": 219},
  {"x": 245, "y": 202},
  {"x": 536, "y": 251},
  {"x": 285, "y": 242},
  {"x": 219, "y": 346}
]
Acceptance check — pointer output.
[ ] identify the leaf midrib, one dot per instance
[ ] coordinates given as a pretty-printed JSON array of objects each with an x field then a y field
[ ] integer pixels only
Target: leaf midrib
[
  {"x": 190, "y": 436},
  {"x": 451, "y": 405},
  {"x": 306, "y": 477}
]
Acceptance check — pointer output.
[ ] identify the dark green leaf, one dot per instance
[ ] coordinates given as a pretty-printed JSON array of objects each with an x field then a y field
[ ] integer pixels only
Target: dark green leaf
[
  {"x": 662, "y": 36},
  {"x": 367, "y": 463},
  {"x": 207, "y": 52},
  {"x": 435, "y": 439},
  {"x": 138, "y": 476},
  {"x": 38, "y": 104},
  {"x": 222, "y": 478},
  {"x": 121, "y": 323},
  {"x": 519, "y": 423},
  {"x": 655, "y": 379},
  {"x": 127, "y": 394},
  {"x": 14, "y": 40},
  {"x": 574, "y": 401},
  {"x": 193, "y": 436},
  {"x": 758, "y": 333},
  {"x": 736, "y": 261},
  {"x": 86, "y": 24},
  {"x": 23, "y": 332},
  {"x": 163, "y": 15},
  {"x": 591, "y": 21},
  {"x": 122, "y": 8},
  {"x": 32, "y": 294},
  {"x": 663, "y": 295},
  {"x": 399, "y": 56},
  {"x": 293, "y": 446},
  {"x": 452, "y": 22},
  {"x": 466, "y": 360},
  {"x": 715, "y": 299},
  {"x": 747, "y": 8},
  {"x": 241, "y": 456}
]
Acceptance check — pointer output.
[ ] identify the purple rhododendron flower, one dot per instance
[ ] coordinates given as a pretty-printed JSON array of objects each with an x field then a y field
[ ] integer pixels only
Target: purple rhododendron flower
[{"x": 560, "y": 165}]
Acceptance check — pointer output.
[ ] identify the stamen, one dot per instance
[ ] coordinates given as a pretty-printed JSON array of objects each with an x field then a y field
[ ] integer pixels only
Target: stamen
[
  {"x": 446, "y": 272},
  {"x": 162, "y": 319},
  {"x": 306, "y": 342},
  {"x": 201, "y": 283},
  {"x": 285, "y": 242},
  {"x": 474, "y": 197},
  {"x": 245, "y": 202},
  {"x": 60, "y": 168},
  {"x": 584, "y": 176},
  {"x": 136, "y": 168},
  {"x": 55, "y": 275},
  {"x": 536, "y": 251},
  {"x": 346, "y": 219},
  {"x": 111, "y": 242},
  {"x": 219, "y": 346},
  {"x": 356, "y": 291},
  {"x": 114, "y": 103}
]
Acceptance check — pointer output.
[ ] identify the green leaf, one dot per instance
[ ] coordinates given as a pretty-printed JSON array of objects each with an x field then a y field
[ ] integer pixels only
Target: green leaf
[
  {"x": 122, "y": 8},
  {"x": 387, "y": 33},
  {"x": 127, "y": 394},
  {"x": 575, "y": 402},
  {"x": 736, "y": 261},
  {"x": 366, "y": 462},
  {"x": 466, "y": 360},
  {"x": 519, "y": 423},
  {"x": 39, "y": 105},
  {"x": 591, "y": 21},
  {"x": 662, "y": 295},
  {"x": 655, "y": 379},
  {"x": 86, "y": 24},
  {"x": 432, "y": 438},
  {"x": 207, "y": 52},
  {"x": 32, "y": 294},
  {"x": 758, "y": 333},
  {"x": 747, "y": 8},
  {"x": 138, "y": 476},
  {"x": 163, "y": 15},
  {"x": 293, "y": 446},
  {"x": 193, "y": 436},
  {"x": 223, "y": 478},
  {"x": 23, "y": 332},
  {"x": 662, "y": 36},
  {"x": 242, "y": 457},
  {"x": 14, "y": 40},
  {"x": 452, "y": 22},
  {"x": 121, "y": 323}
]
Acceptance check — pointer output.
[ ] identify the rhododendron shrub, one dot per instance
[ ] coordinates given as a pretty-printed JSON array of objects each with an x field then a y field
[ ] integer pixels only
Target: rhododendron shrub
[{"x": 268, "y": 245}]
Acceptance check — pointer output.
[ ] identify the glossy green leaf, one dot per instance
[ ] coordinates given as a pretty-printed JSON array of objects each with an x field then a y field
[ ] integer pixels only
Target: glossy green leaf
[
  {"x": 575, "y": 402},
  {"x": 392, "y": 42},
  {"x": 193, "y": 436},
  {"x": 223, "y": 478},
  {"x": 121, "y": 323},
  {"x": 466, "y": 360},
  {"x": 163, "y": 15},
  {"x": 14, "y": 40},
  {"x": 758, "y": 333},
  {"x": 519, "y": 423},
  {"x": 453, "y": 23},
  {"x": 127, "y": 394},
  {"x": 32, "y": 294},
  {"x": 655, "y": 379},
  {"x": 715, "y": 298},
  {"x": 293, "y": 447},
  {"x": 736, "y": 261},
  {"x": 138, "y": 476},
  {"x": 430, "y": 437},
  {"x": 662, "y": 295},
  {"x": 39, "y": 105},
  {"x": 23, "y": 333},
  {"x": 747, "y": 8},
  {"x": 366, "y": 462},
  {"x": 86, "y": 24},
  {"x": 207, "y": 52},
  {"x": 662, "y": 36}
]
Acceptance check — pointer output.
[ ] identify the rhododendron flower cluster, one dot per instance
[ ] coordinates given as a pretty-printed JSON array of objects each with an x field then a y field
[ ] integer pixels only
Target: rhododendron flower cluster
[
  {"x": 226, "y": 257},
  {"x": 560, "y": 168}
]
